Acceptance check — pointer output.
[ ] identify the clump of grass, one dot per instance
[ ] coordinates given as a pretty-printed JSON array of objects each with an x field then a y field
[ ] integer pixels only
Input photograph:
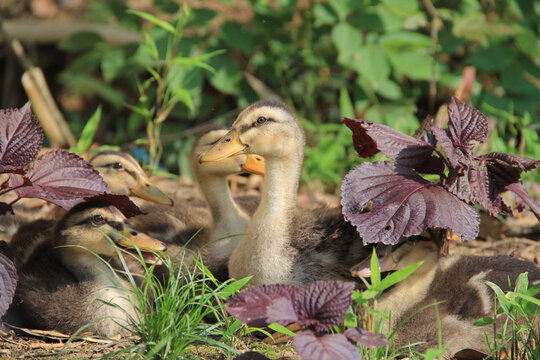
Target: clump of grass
[{"x": 177, "y": 311}]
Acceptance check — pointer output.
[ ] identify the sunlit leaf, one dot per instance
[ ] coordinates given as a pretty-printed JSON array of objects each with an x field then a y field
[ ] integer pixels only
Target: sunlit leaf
[{"x": 327, "y": 347}]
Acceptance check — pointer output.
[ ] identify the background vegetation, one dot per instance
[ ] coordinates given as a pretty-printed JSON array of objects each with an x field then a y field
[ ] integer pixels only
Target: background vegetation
[{"x": 390, "y": 61}]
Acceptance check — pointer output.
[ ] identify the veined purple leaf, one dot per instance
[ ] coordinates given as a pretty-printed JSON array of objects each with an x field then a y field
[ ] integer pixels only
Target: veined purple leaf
[
  {"x": 506, "y": 169},
  {"x": 457, "y": 156},
  {"x": 466, "y": 123},
  {"x": 403, "y": 204},
  {"x": 327, "y": 347},
  {"x": 324, "y": 303},
  {"x": 370, "y": 137},
  {"x": 250, "y": 305},
  {"x": 8, "y": 283},
  {"x": 520, "y": 191},
  {"x": 63, "y": 178},
  {"x": 20, "y": 138},
  {"x": 366, "y": 338},
  {"x": 281, "y": 311}
]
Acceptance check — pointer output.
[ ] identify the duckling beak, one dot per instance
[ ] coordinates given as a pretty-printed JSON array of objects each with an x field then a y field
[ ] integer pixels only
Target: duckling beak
[
  {"x": 145, "y": 190},
  {"x": 229, "y": 145},
  {"x": 254, "y": 164},
  {"x": 386, "y": 262},
  {"x": 146, "y": 244}
]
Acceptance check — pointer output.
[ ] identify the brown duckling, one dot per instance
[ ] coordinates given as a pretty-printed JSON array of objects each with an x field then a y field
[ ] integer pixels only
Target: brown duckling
[
  {"x": 282, "y": 246},
  {"x": 64, "y": 281},
  {"x": 458, "y": 282}
]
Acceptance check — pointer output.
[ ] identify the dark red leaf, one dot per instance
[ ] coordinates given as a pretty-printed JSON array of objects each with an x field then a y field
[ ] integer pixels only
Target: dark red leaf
[
  {"x": 404, "y": 149},
  {"x": 403, "y": 204},
  {"x": 8, "y": 283},
  {"x": 250, "y": 305},
  {"x": 20, "y": 138},
  {"x": 327, "y": 347},
  {"x": 5, "y": 208},
  {"x": 458, "y": 157},
  {"x": 281, "y": 311},
  {"x": 121, "y": 202},
  {"x": 466, "y": 123},
  {"x": 366, "y": 338},
  {"x": 520, "y": 191},
  {"x": 506, "y": 169},
  {"x": 63, "y": 178},
  {"x": 324, "y": 303}
]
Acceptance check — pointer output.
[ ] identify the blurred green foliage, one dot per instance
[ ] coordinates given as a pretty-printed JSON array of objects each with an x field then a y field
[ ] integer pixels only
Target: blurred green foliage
[{"x": 326, "y": 59}]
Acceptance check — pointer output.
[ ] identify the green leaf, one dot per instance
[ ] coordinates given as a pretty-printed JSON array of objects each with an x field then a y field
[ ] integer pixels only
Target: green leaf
[
  {"x": 527, "y": 41},
  {"x": 399, "y": 275},
  {"x": 474, "y": 26},
  {"x": 372, "y": 64},
  {"x": 375, "y": 270},
  {"x": 237, "y": 36},
  {"x": 484, "y": 321},
  {"x": 506, "y": 304},
  {"x": 416, "y": 66},
  {"x": 281, "y": 329},
  {"x": 348, "y": 40},
  {"x": 390, "y": 90},
  {"x": 323, "y": 15},
  {"x": 342, "y": 7},
  {"x": 81, "y": 41},
  {"x": 88, "y": 132},
  {"x": 346, "y": 106},
  {"x": 227, "y": 76},
  {"x": 232, "y": 288},
  {"x": 112, "y": 64},
  {"x": 184, "y": 96},
  {"x": 405, "y": 41},
  {"x": 154, "y": 20}
]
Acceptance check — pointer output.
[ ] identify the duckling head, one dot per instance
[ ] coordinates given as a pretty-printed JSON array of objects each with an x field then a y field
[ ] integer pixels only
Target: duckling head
[
  {"x": 250, "y": 163},
  {"x": 266, "y": 128},
  {"x": 125, "y": 176},
  {"x": 100, "y": 228}
]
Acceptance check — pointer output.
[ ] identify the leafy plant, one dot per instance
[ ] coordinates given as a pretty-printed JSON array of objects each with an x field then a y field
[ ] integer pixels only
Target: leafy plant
[
  {"x": 57, "y": 176},
  {"x": 8, "y": 283},
  {"x": 522, "y": 311},
  {"x": 403, "y": 203},
  {"x": 317, "y": 308},
  {"x": 172, "y": 314}
]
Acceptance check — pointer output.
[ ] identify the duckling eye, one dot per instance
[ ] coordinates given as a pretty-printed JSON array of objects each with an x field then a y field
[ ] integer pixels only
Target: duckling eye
[
  {"x": 261, "y": 120},
  {"x": 98, "y": 220},
  {"x": 117, "y": 165}
]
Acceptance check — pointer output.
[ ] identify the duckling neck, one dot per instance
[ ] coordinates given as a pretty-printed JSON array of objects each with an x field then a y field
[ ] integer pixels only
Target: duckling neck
[
  {"x": 228, "y": 218},
  {"x": 265, "y": 252},
  {"x": 88, "y": 266}
]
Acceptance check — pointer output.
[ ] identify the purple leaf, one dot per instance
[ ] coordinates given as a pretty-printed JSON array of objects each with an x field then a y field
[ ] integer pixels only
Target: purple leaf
[
  {"x": 63, "y": 178},
  {"x": 121, "y": 202},
  {"x": 466, "y": 123},
  {"x": 327, "y": 347},
  {"x": 20, "y": 138},
  {"x": 366, "y": 338},
  {"x": 5, "y": 208},
  {"x": 323, "y": 303},
  {"x": 506, "y": 169},
  {"x": 370, "y": 137},
  {"x": 250, "y": 305},
  {"x": 403, "y": 204},
  {"x": 520, "y": 191},
  {"x": 281, "y": 311},
  {"x": 8, "y": 283},
  {"x": 457, "y": 156}
]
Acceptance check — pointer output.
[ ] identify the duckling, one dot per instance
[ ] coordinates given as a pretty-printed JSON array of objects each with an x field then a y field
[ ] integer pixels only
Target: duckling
[
  {"x": 124, "y": 176},
  {"x": 229, "y": 216},
  {"x": 282, "y": 246},
  {"x": 456, "y": 281},
  {"x": 64, "y": 284}
]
